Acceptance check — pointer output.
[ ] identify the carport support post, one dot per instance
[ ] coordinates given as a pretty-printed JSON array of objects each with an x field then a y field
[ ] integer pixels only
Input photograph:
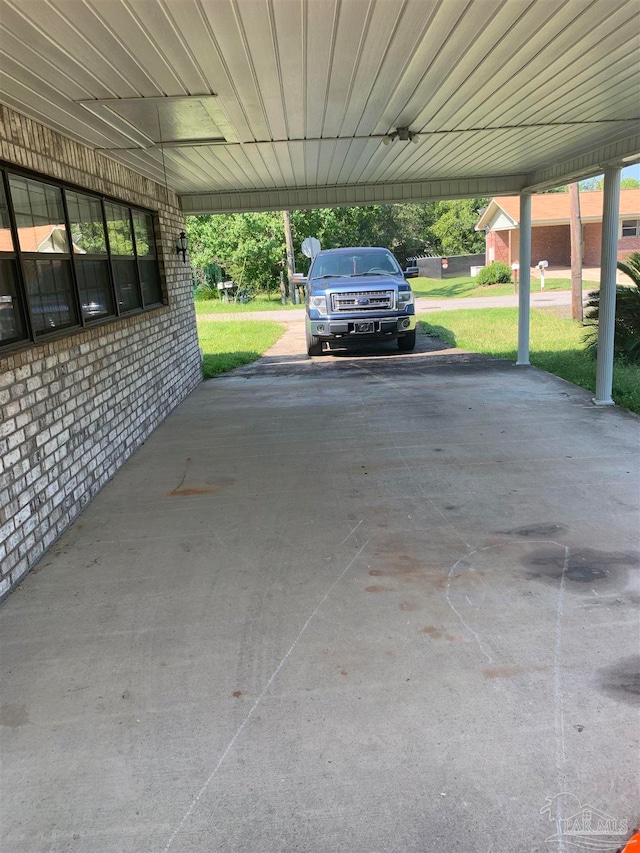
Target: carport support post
[
  {"x": 608, "y": 269},
  {"x": 524, "y": 309}
]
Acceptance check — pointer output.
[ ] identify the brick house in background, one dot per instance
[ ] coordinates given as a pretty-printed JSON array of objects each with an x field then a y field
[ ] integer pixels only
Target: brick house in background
[{"x": 550, "y": 238}]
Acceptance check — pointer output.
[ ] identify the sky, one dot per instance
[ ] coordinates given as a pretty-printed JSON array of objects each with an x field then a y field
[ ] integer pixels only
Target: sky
[{"x": 632, "y": 171}]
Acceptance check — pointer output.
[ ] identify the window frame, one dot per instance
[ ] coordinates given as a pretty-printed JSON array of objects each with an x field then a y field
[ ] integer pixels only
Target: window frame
[
  {"x": 636, "y": 226},
  {"x": 21, "y": 291},
  {"x": 31, "y": 336}
]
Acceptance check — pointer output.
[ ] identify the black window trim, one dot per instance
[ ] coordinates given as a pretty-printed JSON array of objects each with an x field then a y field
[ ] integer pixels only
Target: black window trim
[{"x": 32, "y": 338}]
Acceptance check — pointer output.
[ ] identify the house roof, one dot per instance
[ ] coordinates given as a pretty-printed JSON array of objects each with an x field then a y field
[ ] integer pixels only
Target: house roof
[
  {"x": 553, "y": 208},
  {"x": 33, "y": 238}
]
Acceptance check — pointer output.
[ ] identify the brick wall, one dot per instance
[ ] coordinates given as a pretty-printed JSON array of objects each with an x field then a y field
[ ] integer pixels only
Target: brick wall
[
  {"x": 626, "y": 245},
  {"x": 592, "y": 242},
  {"x": 551, "y": 243},
  {"x": 74, "y": 409},
  {"x": 499, "y": 242}
]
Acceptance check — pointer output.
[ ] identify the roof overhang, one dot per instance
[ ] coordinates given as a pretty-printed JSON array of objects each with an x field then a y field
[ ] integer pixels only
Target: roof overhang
[{"x": 245, "y": 105}]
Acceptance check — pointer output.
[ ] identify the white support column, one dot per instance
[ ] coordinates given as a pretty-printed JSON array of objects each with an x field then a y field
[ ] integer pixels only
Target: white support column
[
  {"x": 608, "y": 270},
  {"x": 524, "y": 290}
]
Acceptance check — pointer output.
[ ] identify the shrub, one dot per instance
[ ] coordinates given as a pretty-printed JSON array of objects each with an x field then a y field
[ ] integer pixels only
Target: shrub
[
  {"x": 495, "y": 273},
  {"x": 627, "y": 322},
  {"x": 205, "y": 290}
]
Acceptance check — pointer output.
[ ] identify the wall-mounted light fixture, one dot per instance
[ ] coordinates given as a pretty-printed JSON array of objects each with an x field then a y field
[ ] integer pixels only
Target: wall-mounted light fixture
[
  {"x": 401, "y": 133},
  {"x": 181, "y": 246}
]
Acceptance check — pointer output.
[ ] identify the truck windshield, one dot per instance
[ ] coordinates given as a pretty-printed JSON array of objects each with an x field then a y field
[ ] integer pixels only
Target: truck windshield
[{"x": 348, "y": 264}]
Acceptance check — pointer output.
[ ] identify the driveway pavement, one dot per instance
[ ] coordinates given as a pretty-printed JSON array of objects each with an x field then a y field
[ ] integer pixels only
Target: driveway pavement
[{"x": 365, "y": 603}]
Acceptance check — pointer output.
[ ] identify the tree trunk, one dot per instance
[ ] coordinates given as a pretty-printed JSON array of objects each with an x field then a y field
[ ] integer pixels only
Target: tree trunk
[{"x": 576, "y": 252}]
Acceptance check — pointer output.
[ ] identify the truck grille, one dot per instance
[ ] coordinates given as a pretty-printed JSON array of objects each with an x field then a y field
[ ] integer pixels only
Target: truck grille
[{"x": 369, "y": 300}]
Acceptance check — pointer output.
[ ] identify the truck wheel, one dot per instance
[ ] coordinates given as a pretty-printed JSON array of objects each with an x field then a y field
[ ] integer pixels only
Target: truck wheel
[
  {"x": 314, "y": 344},
  {"x": 407, "y": 342}
]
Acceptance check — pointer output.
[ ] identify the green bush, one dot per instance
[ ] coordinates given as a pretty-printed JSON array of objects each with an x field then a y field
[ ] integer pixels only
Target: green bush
[
  {"x": 495, "y": 273},
  {"x": 627, "y": 319},
  {"x": 205, "y": 290}
]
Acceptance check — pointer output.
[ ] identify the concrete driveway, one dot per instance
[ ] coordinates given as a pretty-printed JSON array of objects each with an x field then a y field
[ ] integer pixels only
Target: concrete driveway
[{"x": 366, "y": 603}]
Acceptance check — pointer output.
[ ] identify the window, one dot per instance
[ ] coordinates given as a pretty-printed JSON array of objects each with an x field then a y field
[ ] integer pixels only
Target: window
[
  {"x": 50, "y": 292},
  {"x": 42, "y": 232},
  {"x": 147, "y": 259},
  {"x": 89, "y": 241},
  {"x": 125, "y": 271},
  {"x": 631, "y": 227},
  {"x": 69, "y": 259},
  {"x": 12, "y": 326},
  {"x": 39, "y": 216}
]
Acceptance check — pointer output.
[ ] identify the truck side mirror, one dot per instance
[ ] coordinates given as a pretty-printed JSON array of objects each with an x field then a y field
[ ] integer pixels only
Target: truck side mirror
[{"x": 411, "y": 272}]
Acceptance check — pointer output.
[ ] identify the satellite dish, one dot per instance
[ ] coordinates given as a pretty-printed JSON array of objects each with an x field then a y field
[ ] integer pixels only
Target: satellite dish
[{"x": 310, "y": 247}]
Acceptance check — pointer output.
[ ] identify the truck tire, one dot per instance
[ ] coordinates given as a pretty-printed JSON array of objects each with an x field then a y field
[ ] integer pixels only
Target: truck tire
[
  {"x": 314, "y": 344},
  {"x": 407, "y": 342}
]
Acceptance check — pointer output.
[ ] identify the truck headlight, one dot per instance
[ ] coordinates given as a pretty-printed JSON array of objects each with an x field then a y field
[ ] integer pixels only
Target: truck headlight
[
  {"x": 319, "y": 303},
  {"x": 405, "y": 297}
]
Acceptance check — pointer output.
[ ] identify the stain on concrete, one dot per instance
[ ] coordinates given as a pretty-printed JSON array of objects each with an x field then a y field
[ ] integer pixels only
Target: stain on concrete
[
  {"x": 621, "y": 680},
  {"x": 584, "y": 566},
  {"x": 13, "y": 716},
  {"x": 206, "y": 489},
  {"x": 502, "y": 671},
  {"x": 535, "y": 531},
  {"x": 377, "y": 588},
  {"x": 396, "y": 560},
  {"x": 210, "y": 488},
  {"x": 237, "y": 694},
  {"x": 437, "y": 633},
  {"x": 409, "y": 605},
  {"x": 510, "y": 671}
]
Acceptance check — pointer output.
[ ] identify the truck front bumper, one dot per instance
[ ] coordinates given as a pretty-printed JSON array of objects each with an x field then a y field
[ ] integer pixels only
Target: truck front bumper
[{"x": 357, "y": 327}]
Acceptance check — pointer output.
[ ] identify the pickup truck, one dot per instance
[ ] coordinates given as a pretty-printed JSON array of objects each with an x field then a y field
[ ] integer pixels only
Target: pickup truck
[{"x": 358, "y": 294}]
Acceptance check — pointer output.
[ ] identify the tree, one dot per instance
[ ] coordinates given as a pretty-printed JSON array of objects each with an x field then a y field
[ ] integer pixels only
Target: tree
[
  {"x": 252, "y": 245},
  {"x": 454, "y": 226}
]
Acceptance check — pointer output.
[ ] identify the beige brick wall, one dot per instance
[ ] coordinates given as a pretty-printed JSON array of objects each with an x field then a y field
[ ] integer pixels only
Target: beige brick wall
[{"x": 72, "y": 410}]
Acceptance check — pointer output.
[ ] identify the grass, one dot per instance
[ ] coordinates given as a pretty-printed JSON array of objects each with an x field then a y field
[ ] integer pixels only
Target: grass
[
  {"x": 557, "y": 345},
  {"x": 260, "y": 303},
  {"x": 228, "y": 345},
  {"x": 461, "y": 288},
  {"x": 431, "y": 288}
]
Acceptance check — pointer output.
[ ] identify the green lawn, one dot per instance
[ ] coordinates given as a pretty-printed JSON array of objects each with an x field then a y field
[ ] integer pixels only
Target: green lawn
[
  {"x": 260, "y": 303},
  {"x": 228, "y": 345},
  {"x": 460, "y": 288},
  {"x": 557, "y": 345},
  {"x": 431, "y": 288}
]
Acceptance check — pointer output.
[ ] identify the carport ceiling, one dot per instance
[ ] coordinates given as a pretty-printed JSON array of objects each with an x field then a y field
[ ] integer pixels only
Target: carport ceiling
[{"x": 249, "y": 104}]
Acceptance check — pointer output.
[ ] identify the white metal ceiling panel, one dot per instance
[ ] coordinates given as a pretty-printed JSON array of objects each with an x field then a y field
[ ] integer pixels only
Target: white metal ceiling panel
[{"x": 301, "y": 92}]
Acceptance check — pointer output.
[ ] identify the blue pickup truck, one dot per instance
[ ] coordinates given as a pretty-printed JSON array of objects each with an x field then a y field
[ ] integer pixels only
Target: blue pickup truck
[{"x": 359, "y": 294}]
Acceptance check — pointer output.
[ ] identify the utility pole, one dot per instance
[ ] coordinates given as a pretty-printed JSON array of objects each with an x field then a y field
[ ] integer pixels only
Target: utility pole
[
  {"x": 576, "y": 252},
  {"x": 291, "y": 261}
]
